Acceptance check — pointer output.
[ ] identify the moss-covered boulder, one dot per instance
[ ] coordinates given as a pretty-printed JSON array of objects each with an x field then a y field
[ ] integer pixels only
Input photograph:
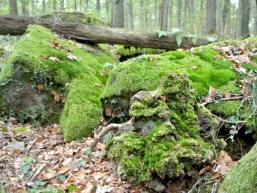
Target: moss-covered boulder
[
  {"x": 205, "y": 66},
  {"x": 165, "y": 139},
  {"x": 45, "y": 74},
  {"x": 88, "y": 18},
  {"x": 243, "y": 176}
]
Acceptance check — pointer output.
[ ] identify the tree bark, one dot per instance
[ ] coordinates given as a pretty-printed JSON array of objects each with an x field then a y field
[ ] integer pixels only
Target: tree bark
[
  {"x": 243, "y": 19},
  {"x": 13, "y": 10},
  {"x": 98, "y": 5},
  {"x": 117, "y": 13},
  {"x": 211, "y": 16},
  {"x": 226, "y": 18},
  {"x": 179, "y": 13},
  {"x": 130, "y": 15},
  {"x": 24, "y": 7},
  {"x": 91, "y": 34},
  {"x": 164, "y": 15}
]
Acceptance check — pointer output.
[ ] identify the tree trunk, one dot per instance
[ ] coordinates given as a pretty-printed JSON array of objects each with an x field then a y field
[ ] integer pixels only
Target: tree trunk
[
  {"x": 117, "y": 13},
  {"x": 13, "y": 10},
  {"x": 164, "y": 15},
  {"x": 85, "y": 33},
  {"x": 24, "y": 8},
  {"x": 211, "y": 16},
  {"x": 44, "y": 6},
  {"x": 226, "y": 18},
  {"x": 179, "y": 13},
  {"x": 243, "y": 18},
  {"x": 62, "y": 6},
  {"x": 98, "y": 5},
  {"x": 130, "y": 15},
  {"x": 54, "y": 5},
  {"x": 75, "y": 5}
]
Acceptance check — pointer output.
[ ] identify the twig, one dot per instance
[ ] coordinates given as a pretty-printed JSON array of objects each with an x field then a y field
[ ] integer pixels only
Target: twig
[
  {"x": 37, "y": 172},
  {"x": 109, "y": 128},
  {"x": 222, "y": 99},
  {"x": 195, "y": 185}
]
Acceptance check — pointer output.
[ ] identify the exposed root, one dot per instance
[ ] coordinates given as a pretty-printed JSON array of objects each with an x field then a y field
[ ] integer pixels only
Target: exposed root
[{"x": 114, "y": 126}]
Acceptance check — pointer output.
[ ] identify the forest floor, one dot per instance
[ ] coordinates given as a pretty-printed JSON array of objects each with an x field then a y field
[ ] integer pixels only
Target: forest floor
[{"x": 32, "y": 159}]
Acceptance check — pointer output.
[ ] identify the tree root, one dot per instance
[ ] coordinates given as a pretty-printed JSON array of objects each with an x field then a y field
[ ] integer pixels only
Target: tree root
[{"x": 127, "y": 126}]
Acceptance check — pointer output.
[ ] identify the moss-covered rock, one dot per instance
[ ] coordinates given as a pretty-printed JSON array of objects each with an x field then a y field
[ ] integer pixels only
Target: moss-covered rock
[
  {"x": 88, "y": 18},
  {"x": 243, "y": 176},
  {"x": 165, "y": 141},
  {"x": 43, "y": 74},
  {"x": 204, "y": 66}
]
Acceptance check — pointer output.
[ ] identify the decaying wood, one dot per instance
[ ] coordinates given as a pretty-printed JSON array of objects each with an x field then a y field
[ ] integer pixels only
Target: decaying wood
[
  {"x": 17, "y": 25},
  {"x": 114, "y": 126}
]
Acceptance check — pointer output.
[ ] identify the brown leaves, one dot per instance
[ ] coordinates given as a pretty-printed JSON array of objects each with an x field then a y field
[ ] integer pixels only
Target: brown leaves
[
  {"x": 223, "y": 165},
  {"x": 238, "y": 54},
  {"x": 220, "y": 167},
  {"x": 65, "y": 164}
]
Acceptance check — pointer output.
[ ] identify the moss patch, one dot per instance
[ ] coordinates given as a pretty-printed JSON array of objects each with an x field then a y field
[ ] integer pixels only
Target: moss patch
[
  {"x": 170, "y": 146},
  {"x": 243, "y": 176},
  {"x": 88, "y": 18},
  {"x": 204, "y": 66},
  {"x": 35, "y": 78}
]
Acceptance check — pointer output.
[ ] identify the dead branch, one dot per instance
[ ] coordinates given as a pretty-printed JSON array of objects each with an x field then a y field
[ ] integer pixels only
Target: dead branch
[{"x": 113, "y": 126}]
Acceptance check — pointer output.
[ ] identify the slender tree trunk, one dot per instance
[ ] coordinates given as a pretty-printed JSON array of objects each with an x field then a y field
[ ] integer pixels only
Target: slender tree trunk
[
  {"x": 185, "y": 15},
  {"x": 107, "y": 7},
  {"x": 117, "y": 13},
  {"x": 24, "y": 8},
  {"x": 179, "y": 13},
  {"x": 98, "y": 5},
  {"x": 130, "y": 15},
  {"x": 13, "y": 10},
  {"x": 54, "y": 5},
  {"x": 243, "y": 17},
  {"x": 211, "y": 16},
  {"x": 218, "y": 17},
  {"x": 255, "y": 17},
  {"x": 44, "y": 6},
  {"x": 62, "y": 6},
  {"x": 75, "y": 5},
  {"x": 202, "y": 25},
  {"x": 226, "y": 18},
  {"x": 164, "y": 15}
]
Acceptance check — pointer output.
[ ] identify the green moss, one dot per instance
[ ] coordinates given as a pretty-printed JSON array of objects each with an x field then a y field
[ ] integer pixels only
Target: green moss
[
  {"x": 201, "y": 68},
  {"x": 226, "y": 109},
  {"x": 75, "y": 17},
  {"x": 243, "y": 176},
  {"x": 1, "y": 51},
  {"x": 127, "y": 51},
  {"x": 39, "y": 71},
  {"x": 82, "y": 108},
  {"x": 171, "y": 147}
]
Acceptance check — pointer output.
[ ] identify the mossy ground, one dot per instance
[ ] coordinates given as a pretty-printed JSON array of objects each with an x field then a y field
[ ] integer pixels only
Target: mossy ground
[
  {"x": 170, "y": 146},
  {"x": 41, "y": 64},
  {"x": 242, "y": 178}
]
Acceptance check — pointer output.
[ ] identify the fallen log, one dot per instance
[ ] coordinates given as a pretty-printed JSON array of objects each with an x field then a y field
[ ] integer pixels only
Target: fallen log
[{"x": 17, "y": 25}]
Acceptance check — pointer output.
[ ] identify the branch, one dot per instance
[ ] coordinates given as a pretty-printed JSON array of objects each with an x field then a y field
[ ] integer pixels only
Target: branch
[{"x": 114, "y": 126}]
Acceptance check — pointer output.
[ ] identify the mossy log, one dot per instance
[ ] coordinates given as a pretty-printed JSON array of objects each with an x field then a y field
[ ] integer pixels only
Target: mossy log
[
  {"x": 243, "y": 176},
  {"x": 46, "y": 78},
  {"x": 18, "y": 25}
]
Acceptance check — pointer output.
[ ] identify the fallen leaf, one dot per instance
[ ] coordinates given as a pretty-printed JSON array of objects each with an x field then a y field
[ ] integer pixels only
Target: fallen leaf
[{"x": 223, "y": 165}]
